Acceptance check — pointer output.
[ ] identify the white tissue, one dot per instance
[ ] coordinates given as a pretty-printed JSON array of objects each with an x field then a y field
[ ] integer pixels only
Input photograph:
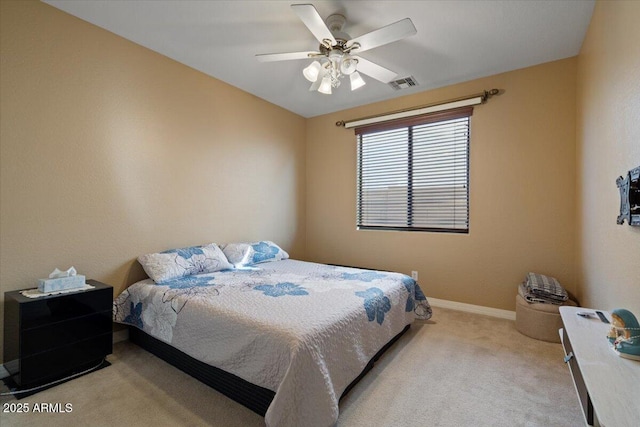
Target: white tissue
[{"x": 56, "y": 274}]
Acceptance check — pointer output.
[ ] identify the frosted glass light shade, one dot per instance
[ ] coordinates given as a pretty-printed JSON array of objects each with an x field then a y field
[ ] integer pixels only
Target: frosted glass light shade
[
  {"x": 348, "y": 65},
  {"x": 356, "y": 80},
  {"x": 312, "y": 71},
  {"x": 325, "y": 86}
]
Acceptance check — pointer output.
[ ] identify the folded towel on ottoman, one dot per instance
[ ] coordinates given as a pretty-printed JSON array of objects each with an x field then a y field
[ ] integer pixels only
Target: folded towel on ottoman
[{"x": 539, "y": 288}]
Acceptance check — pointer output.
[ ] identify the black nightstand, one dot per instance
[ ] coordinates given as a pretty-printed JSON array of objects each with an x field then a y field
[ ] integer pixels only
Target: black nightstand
[{"x": 50, "y": 338}]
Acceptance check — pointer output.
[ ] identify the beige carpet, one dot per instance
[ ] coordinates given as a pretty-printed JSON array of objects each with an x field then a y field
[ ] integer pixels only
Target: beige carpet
[{"x": 458, "y": 369}]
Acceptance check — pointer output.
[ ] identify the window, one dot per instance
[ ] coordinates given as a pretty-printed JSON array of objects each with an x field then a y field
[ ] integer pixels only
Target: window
[{"x": 413, "y": 174}]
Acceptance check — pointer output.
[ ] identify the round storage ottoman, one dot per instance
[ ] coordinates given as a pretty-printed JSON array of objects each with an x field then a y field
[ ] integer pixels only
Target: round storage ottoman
[{"x": 539, "y": 321}]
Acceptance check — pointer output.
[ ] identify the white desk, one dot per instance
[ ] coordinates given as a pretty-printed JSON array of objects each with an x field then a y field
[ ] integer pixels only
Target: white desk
[{"x": 608, "y": 385}]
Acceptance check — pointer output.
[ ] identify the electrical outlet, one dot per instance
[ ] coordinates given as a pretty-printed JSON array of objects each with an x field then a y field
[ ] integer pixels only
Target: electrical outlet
[{"x": 414, "y": 275}]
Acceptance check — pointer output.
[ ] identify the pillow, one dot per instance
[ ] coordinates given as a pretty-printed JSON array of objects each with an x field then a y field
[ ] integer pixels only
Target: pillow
[
  {"x": 175, "y": 263},
  {"x": 244, "y": 254}
]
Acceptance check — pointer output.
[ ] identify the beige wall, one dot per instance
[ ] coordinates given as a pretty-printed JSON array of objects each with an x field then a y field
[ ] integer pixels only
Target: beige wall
[
  {"x": 608, "y": 143},
  {"x": 109, "y": 150},
  {"x": 522, "y": 192}
]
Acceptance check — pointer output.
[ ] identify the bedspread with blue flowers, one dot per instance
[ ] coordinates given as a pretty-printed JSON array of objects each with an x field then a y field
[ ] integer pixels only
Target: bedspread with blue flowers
[{"x": 303, "y": 330}]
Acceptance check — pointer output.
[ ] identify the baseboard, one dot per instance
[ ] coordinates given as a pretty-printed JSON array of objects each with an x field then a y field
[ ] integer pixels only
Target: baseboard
[{"x": 470, "y": 308}]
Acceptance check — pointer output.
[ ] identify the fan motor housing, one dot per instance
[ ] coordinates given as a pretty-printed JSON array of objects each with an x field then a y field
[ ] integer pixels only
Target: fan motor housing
[{"x": 340, "y": 45}]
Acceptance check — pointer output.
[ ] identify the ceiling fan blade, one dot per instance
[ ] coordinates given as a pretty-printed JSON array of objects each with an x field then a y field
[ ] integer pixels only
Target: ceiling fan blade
[
  {"x": 270, "y": 57},
  {"x": 385, "y": 35},
  {"x": 376, "y": 71},
  {"x": 311, "y": 18}
]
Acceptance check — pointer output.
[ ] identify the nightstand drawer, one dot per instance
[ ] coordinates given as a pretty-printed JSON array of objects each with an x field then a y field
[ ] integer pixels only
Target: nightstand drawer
[
  {"x": 51, "y": 336},
  {"x": 46, "y": 366},
  {"x": 62, "y": 307}
]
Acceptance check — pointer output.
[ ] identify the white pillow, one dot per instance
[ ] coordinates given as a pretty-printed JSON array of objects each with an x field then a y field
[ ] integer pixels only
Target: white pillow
[
  {"x": 175, "y": 263},
  {"x": 245, "y": 254}
]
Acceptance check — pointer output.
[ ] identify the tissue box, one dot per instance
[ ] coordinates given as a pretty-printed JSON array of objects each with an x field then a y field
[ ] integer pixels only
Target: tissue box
[{"x": 61, "y": 283}]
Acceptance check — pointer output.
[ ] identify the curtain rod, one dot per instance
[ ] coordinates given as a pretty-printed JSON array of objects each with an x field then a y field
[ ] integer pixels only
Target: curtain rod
[{"x": 407, "y": 112}]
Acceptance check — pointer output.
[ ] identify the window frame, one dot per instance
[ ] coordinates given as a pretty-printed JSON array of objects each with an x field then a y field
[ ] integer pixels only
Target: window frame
[{"x": 409, "y": 123}]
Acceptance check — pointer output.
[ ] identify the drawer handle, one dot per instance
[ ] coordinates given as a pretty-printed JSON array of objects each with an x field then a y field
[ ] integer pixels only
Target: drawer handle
[{"x": 568, "y": 357}]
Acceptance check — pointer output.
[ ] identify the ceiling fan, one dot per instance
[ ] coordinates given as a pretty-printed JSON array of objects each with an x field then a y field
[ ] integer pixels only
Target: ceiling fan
[{"x": 337, "y": 55}]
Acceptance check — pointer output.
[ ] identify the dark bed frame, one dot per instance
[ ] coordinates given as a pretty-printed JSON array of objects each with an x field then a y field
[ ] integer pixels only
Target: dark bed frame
[{"x": 250, "y": 395}]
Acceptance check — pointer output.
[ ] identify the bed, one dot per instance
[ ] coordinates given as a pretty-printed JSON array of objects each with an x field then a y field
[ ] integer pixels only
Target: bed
[{"x": 285, "y": 338}]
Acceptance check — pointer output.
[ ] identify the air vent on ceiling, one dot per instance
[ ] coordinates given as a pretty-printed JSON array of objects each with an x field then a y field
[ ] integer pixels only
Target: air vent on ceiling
[{"x": 404, "y": 83}]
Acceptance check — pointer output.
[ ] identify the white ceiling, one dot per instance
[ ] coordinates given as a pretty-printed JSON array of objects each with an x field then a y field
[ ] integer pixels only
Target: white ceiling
[{"x": 456, "y": 40}]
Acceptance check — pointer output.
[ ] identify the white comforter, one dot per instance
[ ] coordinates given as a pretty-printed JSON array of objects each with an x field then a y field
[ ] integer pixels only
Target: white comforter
[{"x": 301, "y": 329}]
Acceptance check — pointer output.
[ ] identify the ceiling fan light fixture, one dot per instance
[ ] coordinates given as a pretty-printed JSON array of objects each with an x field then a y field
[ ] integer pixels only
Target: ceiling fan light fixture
[
  {"x": 325, "y": 86},
  {"x": 312, "y": 72},
  {"x": 348, "y": 65},
  {"x": 335, "y": 54},
  {"x": 356, "y": 80},
  {"x": 315, "y": 85}
]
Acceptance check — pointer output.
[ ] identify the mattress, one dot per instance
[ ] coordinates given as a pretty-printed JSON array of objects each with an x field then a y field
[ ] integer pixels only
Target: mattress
[{"x": 302, "y": 330}]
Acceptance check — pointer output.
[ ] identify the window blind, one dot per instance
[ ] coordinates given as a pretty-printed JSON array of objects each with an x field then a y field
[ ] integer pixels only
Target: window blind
[{"x": 413, "y": 174}]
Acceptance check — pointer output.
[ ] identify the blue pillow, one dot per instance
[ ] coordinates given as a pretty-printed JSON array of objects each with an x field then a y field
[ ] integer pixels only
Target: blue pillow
[{"x": 175, "y": 263}]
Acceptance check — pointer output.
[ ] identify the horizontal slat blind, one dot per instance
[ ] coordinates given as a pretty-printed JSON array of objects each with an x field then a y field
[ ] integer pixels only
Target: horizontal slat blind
[{"x": 415, "y": 177}]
